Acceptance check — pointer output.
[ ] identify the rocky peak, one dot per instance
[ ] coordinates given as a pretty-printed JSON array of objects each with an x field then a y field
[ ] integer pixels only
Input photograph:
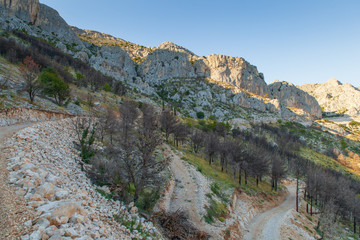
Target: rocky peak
[
  {"x": 333, "y": 96},
  {"x": 333, "y": 82},
  {"x": 175, "y": 48}
]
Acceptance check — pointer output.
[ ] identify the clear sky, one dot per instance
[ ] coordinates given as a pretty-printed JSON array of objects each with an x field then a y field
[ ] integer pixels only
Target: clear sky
[{"x": 299, "y": 41}]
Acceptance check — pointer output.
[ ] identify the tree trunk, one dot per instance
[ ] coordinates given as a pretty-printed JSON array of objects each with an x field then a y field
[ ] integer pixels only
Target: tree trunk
[
  {"x": 297, "y": 195},
  {"x": 245, "y": 177},
  {"x": 240, "y": 176},
  {"x": 257, "y": 180},
  {"x": 354, "y": 224},
  {"x": 307, "y": 207},
  {"x": 311, "y": 207}
]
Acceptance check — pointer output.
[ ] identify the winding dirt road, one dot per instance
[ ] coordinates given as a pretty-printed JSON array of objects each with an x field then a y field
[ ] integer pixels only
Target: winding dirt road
[
  {"x": 267, "y": 225},
  {"x": 12, "y": 208}
]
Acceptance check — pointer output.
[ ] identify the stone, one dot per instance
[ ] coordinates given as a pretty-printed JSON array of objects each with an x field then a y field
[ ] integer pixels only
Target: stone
[
  {"x": 61, "y": 194},
  {"x": 47, "y": 190},
  {"x": 77, "y": 218},
  {"x": 133, "y": 210},
  {"x": 70, "y": 232}
]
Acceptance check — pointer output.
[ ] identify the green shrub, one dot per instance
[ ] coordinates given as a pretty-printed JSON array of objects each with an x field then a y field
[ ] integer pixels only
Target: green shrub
[
  {"x": 107, "y": 87},
  {"x": 54, "y": 86},
  {"x": 200, "y": 115},
  {"x": 86, "y": 142}
]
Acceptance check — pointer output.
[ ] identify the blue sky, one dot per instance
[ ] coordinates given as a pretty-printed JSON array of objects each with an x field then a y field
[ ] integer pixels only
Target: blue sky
[{"x": 307, "y": 41}]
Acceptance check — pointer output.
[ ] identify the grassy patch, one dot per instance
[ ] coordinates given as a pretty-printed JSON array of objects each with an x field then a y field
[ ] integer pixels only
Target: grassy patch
[
  {"x": 216, "y": 210},
  {"x": 326, "y": 161},
  {"x": 105, "y": 194},
  {"x": 223, "y": 179}
]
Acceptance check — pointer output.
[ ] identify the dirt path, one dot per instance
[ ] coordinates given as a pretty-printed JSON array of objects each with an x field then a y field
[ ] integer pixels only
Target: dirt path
[
  {"x": 187, "y": 191},
  {"x": 13, "y": 212},
  {"x": 267, "y": 224}
]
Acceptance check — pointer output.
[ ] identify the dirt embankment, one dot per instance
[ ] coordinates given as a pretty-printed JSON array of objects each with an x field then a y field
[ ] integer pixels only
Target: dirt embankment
[{"x": 23, "y": 115}]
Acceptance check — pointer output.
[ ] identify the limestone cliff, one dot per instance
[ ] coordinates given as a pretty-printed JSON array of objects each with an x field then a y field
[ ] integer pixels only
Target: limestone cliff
[
  {"x": 170, "y": 60},
  {"x": 291, "y": 96},
  {"x": 333, "y": 96},
  {"x": 238, "y": 72},
  {"x": 39, "y": 15}
]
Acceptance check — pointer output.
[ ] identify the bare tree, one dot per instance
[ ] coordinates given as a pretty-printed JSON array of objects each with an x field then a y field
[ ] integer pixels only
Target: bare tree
[
  {"x": 277, "y": 170},
  {"x": 197, "y": 139},
  {"x": 5, "y": 80},
  {"x": 128, "y": 114},
  {"x": 168, "y": 122},
  {"x": 211, "y": 146},
  {"x": 108, "y": 123},
  {"x": 180, "y": 132},
  {"x": 29, "y": 70}
]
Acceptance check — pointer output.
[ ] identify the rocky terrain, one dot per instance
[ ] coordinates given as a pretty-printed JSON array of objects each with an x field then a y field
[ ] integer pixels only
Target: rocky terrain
[
  {"x": 335, "y": 97},
  {"x": 137, "y": 53},
  {"x": 44, "y": 169}
]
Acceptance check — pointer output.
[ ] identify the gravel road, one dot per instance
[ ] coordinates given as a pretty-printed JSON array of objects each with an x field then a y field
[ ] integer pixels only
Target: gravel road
[
  {"x": 267, "y": 225},
  {"x": 12, "y": 207}
]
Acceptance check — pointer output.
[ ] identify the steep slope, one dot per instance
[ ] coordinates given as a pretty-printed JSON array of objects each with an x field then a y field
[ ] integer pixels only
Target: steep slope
[{"x": 333, "y": 96}]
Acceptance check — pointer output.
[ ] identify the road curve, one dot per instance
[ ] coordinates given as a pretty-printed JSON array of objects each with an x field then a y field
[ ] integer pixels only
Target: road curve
[{"x": 266, "y": 225}]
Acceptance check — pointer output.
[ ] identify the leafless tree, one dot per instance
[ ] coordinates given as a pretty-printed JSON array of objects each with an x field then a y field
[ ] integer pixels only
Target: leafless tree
[
  {"x": 180, "y": 132},
  {"x": 277, "y": 170},
  {"x": 5, "y": 80},
  {"x": 108, "y": 123},
  {"x": 211, "y": 146},
  {"x": 29, "y": 70},
  {"x": 168, "y": 122},
  {"x": 197, "y": 139},
  {"x": 128, "y": 114}
]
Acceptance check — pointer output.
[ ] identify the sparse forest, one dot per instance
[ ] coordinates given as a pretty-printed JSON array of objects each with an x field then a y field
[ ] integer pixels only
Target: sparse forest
[{"x": 132, "y": 134}]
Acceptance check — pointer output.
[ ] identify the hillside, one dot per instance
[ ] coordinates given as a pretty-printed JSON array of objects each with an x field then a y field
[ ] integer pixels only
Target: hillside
[{"x": 102, "y": 138}]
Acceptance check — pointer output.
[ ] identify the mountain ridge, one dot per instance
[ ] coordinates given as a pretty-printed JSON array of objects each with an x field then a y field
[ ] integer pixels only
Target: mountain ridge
[{"x": 163, "y": 63}]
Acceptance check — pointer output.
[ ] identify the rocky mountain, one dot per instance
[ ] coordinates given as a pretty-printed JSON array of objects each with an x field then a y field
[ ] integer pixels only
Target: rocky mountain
[
  {"x": 145, "y": 69},
  {"x": 335, "y": 97}
]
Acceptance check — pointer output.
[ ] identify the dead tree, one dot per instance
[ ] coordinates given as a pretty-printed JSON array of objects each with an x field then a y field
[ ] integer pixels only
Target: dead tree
[{"x": 29, "y": 70}]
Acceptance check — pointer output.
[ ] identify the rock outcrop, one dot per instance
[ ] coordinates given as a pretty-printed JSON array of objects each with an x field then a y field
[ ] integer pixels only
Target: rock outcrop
[
  {"x": 39, "y": 15},
  {"x": 165, "y": 64},
  {"x": 114, "y": 62},
  {"x": 291, "y": 96},
  {"x": 238, "y": 72},
  {"x": 333, "y": 96},
  {"x": 172, "y": 61}
]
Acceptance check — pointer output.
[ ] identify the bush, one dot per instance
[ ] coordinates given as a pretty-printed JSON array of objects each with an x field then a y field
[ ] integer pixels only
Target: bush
[
  {"x": 54, "y": 86},
  {"x": 86, "y": 142},
  {"x": 200, "y": 115},
  {"x": 107, "y": 87}
]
